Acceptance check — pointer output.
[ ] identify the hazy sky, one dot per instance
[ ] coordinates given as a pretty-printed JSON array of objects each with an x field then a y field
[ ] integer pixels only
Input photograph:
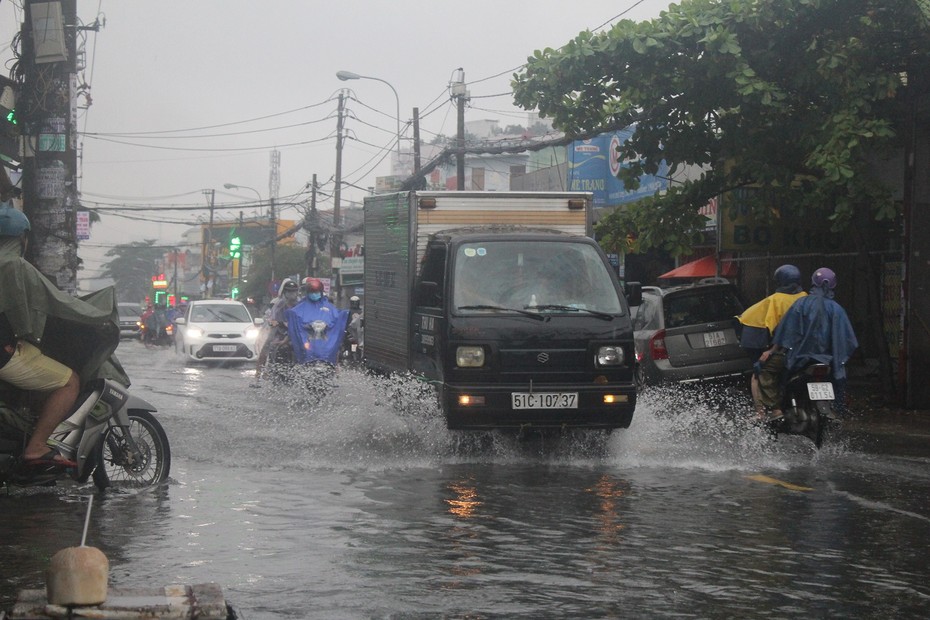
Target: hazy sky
[{"x": 203, "y": 90}]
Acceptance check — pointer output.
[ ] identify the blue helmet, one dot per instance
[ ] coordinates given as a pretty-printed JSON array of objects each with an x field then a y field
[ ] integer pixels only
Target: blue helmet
[
  {"x": 787, "y": 274},
  {"x": 824, "y": 278},
  {"x": 13, "y": 222}
]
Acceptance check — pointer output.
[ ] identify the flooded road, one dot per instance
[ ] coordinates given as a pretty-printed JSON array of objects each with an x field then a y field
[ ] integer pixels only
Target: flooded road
[{"x": 360, "y": 504}]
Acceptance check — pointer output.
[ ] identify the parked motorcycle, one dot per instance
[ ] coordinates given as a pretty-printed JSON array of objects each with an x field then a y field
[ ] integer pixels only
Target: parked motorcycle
[
  {"x": 112, "y": 435},
  {"x": 808, "y": 405}
]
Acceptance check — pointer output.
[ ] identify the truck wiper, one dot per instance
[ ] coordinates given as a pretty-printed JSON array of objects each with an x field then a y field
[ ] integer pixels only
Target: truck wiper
[
  {"x": 600, "y": 315},
  {"x": 534, "y": 315}
]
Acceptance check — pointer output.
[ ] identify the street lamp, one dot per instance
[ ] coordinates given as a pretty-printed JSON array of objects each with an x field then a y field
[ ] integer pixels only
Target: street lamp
[
  {"x": 348, "y": 75},
  {"x": 234, "y": 186},
  {"x": 274, "y": 225}
]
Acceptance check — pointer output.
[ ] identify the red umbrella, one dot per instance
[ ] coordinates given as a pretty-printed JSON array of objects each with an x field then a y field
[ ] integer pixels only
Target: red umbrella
[{"x": 705, "y": 267}]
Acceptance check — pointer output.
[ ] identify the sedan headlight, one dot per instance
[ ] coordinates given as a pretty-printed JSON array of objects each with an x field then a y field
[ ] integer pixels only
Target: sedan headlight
[
  {"x": 469, "y": 357},
  {"x": 251, "y": 333},
  {"x": 193, "y": 332},
  {"x": 610, "y": 356}
]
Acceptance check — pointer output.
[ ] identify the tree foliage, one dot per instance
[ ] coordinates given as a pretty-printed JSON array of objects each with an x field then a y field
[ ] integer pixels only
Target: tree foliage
[
  {"x": 288, "y": 259},
  {"x": 132, "y": 268},
  {"x": 798, "y": 97}
]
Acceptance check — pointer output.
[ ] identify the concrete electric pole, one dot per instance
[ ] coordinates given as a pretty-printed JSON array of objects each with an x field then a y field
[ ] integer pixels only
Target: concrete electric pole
[
  {"x": 461, "y": 94},
  {"x": 48, "y": 109}
]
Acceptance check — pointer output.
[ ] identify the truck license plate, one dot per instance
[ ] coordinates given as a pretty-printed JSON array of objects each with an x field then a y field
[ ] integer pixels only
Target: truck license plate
[
  {"x": 714, "y": 339},
  {"x": 545, "y": 400},
  {"x": 820, "y": 391},
  {"x": 224, "y": 348}
]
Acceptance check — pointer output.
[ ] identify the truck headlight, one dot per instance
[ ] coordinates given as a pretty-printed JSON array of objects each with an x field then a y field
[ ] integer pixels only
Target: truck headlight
[
  {"x": 610, "y": 356},
  {"x": 469, "y": 357}
]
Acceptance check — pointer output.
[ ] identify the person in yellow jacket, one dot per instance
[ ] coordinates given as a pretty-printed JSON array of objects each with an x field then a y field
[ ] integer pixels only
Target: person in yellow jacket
[{"x": 759, "y": 322}]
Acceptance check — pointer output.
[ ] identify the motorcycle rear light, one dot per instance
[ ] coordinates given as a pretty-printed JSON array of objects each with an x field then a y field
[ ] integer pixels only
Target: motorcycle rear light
[
  {"x": 820, "y": 372},
  {"x": 657, "y": 346}
]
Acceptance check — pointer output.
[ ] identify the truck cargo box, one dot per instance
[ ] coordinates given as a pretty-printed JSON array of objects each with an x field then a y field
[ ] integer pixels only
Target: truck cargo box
[{"x": 397, "y": 227}]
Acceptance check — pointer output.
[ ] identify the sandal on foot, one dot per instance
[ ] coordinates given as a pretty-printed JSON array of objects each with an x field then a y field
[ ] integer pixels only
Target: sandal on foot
[{"x": 52, "y": 458}]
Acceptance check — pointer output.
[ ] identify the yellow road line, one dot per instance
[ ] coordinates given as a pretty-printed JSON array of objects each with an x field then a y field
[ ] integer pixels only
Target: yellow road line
[{"x": 781, "y": 483}]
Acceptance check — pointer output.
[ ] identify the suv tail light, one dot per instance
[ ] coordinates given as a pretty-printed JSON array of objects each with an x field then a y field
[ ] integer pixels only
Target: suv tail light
[{"x": 657, "y": 346}]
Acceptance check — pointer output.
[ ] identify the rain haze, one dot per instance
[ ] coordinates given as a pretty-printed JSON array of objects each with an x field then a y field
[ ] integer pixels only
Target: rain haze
[{"x": 187, "y": 97}]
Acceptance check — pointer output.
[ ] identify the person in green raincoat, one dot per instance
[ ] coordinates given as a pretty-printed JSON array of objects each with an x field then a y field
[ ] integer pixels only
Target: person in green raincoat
[{"x": 50, "y": 342}]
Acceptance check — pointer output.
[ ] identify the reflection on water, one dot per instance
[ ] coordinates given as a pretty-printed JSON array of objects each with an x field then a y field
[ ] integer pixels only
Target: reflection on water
[
  {"x": 358, "y": 503},
  {"x": 466, "y": 502}
]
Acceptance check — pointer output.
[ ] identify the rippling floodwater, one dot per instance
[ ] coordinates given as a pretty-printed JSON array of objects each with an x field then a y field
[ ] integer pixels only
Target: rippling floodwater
[{"x": 360, "y": 504}]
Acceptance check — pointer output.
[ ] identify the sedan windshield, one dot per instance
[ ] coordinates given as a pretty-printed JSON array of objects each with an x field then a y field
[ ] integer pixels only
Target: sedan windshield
[
  {"x": 548, "y": 277},
  {"x": 220, "y": 313}
]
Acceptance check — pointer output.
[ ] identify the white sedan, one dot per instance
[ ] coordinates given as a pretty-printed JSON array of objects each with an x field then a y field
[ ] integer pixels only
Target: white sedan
[{"x": 219, "y": 330}]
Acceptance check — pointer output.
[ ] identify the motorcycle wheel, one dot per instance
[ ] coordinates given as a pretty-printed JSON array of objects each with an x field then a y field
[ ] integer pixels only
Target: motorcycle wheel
[{"x": 114, "y": 462}]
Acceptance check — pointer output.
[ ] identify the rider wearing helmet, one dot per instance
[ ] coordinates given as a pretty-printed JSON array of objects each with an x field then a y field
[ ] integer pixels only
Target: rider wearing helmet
[
  {"x": 313, "y": 288},
  {"x": 275, "y": 329},
  {"x": 759, "y": 322},
  {"x": 22, "y": 364},
  {"x": 817, "y": 329},
  {"x": 316, "y": 327}
]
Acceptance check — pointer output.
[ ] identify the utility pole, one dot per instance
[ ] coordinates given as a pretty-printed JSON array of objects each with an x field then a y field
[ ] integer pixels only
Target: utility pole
[
  {"x": 207, "y": 271},
  {"x": 274, "y": 182},
  {"x": 416, "y": 140},
  {"x": 312, "y": 228},
  {"x": 337, "y": 193},
  {"x": 335, "y": 237},
  {"x": 461, "y": 94},
  {"x": 238, "y": 261},
  {"x": 274, "y": 236},
  {"x": 49, "y": 114}
]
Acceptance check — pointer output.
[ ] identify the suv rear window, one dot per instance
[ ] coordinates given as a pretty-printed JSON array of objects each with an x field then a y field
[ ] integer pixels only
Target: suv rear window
[
  {"x": 129, "y": 311},
  {"x": 701, "y": 306}
]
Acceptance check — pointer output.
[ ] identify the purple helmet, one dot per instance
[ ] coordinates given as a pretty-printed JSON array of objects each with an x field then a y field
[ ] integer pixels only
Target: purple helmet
[{"x": 824, "y": 278}]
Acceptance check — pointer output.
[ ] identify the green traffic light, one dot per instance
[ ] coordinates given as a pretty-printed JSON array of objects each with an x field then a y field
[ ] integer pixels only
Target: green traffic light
[{"x": 235, "y": 245}]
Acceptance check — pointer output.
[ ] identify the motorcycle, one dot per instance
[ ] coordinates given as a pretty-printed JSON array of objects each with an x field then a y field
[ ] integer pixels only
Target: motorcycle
[
  {"x": 808, "y": 405},
  {"x": 158, "y": 331},
  {"x": 112, "y": 435},
  {"x": 353, "y": 348}
]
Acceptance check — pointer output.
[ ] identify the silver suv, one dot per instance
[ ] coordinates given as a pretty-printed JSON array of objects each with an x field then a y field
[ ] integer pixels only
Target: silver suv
[{"x": 689, "y": 334}]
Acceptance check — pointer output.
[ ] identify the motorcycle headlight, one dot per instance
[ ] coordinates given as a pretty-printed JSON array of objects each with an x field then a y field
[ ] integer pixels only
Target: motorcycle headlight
[
  {"x": 469, "y": 357},
  {"x": 610, "y": 356}
]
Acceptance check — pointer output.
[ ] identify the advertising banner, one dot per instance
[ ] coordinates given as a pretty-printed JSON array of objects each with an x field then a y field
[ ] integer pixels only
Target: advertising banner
[
  {"x": 593, "y": 166},
  {"x": 83, "y": 225},
  {"x": 784, "y": 232}
]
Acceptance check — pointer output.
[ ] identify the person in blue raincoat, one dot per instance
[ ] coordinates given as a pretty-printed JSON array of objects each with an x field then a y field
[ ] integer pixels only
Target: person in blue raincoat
[
  {"x": 316, "y": 327},
  {"x": 815, "y": 329}
]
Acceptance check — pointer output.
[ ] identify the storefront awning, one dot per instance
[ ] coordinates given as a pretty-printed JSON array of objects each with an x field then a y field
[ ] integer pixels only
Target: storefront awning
[{"x": 705, "y": 267}]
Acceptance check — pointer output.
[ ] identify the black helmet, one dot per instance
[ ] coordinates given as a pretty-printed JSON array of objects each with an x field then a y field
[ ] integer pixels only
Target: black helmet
[
  {"x": 787, "y": 274},
  {"x": 289, "y": 286}
]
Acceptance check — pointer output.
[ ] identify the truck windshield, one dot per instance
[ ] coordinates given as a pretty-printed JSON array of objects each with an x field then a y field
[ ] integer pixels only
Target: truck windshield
[{"x": 553, "y": 277}]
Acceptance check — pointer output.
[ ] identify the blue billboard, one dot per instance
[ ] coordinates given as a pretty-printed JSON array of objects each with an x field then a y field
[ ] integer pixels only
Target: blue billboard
[{"x": 593, "y": 166}]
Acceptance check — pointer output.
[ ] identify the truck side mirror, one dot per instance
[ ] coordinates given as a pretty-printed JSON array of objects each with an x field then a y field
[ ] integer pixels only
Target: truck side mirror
[{"x": 633, "y": 292}]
